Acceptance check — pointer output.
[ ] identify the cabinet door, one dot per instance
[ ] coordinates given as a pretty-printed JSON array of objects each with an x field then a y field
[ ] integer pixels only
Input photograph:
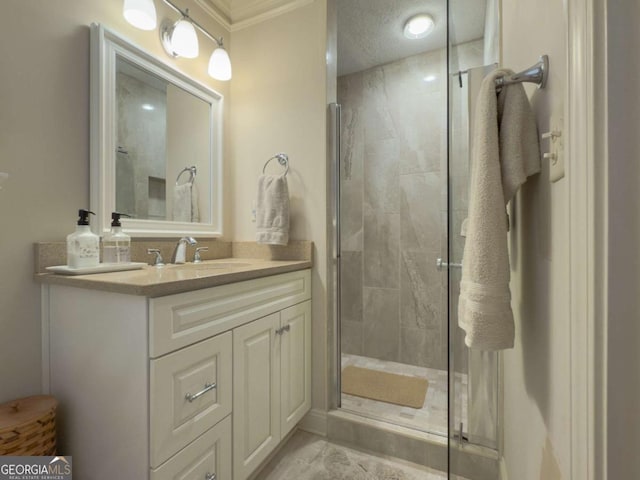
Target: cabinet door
[
  {"x": 256, "y": 393},
  {"x": 295, "y": 365}
]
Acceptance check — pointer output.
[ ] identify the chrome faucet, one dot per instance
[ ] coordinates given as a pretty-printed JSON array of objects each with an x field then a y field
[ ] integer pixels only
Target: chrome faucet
[{"x": 180, "y": 252}]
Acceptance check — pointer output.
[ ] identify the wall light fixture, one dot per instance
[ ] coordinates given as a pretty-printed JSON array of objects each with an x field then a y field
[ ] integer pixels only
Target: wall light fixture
[
  {"x": 140, "y": 13},
  {"x": 180, "y": 39}
]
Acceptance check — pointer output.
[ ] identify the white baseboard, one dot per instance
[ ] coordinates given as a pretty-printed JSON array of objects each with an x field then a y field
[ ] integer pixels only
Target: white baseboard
[
  {"x": 503, "y": 469},
  {"x": 315, "y": 422}
]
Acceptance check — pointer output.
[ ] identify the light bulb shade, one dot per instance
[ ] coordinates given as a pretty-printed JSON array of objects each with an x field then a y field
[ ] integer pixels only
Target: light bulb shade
[
  {"x": 140, "y": 13},
  {"x": 220, "y": 65},
  {"x": 184, "y": 40}
]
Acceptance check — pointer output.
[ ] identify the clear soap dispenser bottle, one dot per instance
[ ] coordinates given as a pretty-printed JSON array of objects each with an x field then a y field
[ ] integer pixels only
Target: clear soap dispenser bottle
[
  {"x": 116, "y": 245},
  {"x": 83, "y": 246}
]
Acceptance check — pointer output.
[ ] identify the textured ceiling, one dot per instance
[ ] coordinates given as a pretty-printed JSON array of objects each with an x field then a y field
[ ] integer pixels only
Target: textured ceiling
[{"x": 370, "y": 31}]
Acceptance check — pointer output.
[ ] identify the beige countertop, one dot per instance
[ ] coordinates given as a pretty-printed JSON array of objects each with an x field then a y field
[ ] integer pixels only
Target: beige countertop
[{"x": 160, "y": 281}]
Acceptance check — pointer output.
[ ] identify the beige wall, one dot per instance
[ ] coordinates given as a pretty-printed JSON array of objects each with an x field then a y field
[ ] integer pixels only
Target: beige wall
[
  {"x": 623, "y": 397},
  {"x": 279, "y": 105},
  {"x": 44, "y": 145},
  {"x": 537, "y": 370}
]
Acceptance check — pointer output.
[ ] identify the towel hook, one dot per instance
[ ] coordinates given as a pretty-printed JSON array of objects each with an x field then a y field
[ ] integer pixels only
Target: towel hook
[
  {"x": 283, "y": 159},
  {"x": 192, "y": 171}
]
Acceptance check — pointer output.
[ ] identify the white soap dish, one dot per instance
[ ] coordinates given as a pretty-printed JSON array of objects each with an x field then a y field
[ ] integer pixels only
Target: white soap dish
[{"x": 101, "y": 268}]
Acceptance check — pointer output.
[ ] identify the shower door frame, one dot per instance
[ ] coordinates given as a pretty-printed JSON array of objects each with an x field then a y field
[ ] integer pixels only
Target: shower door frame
[{"x": 335, "y": 110}]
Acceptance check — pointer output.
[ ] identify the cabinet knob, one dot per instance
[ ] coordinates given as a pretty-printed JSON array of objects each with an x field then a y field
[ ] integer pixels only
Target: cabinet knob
[{"x": 210, "y": 476}]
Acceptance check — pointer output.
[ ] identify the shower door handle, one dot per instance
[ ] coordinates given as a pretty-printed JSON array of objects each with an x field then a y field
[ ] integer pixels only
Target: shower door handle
[{"x": 440, "y": 265}]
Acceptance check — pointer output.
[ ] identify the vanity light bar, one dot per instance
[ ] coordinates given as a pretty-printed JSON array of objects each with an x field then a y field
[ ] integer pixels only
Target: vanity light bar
[
  {"x": 185, "y": 14},
  {"x": 219, "y": 62},
  {"x": 179, "y": 39}
]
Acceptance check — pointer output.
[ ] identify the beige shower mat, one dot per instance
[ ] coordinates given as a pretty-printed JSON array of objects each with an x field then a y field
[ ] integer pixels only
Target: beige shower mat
[{"x": 385, "y": 387}]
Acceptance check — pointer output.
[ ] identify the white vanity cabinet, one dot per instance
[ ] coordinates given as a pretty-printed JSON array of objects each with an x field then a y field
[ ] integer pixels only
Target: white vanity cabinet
[
  {"x": 196, "y": 385},
  {"x": 271, "y": 385}
]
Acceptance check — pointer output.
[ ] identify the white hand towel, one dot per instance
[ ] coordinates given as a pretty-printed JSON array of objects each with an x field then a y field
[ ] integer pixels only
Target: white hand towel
[
  {"x": 185, "y": 203},
  {"x": 195, "y": 210},
  {"x": 505, "y": 153},
  {"x": 272, "y": 210}
]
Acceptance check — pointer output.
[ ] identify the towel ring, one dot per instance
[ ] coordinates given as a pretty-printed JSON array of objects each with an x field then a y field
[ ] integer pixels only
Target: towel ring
[
  {"x": 283, "y": 159},
  {"x": 192, "y": 171}
]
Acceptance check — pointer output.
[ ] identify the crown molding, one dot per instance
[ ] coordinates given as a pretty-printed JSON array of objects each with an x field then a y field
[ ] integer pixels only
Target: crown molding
[
  {"x": 268, "y": 15},
  {"x": 218, "y": 10},
  {"x": 234, "y": 16}
]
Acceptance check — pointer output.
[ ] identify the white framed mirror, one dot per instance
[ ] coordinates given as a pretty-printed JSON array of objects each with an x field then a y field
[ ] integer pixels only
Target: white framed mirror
[{"x": 156, "y": 144}]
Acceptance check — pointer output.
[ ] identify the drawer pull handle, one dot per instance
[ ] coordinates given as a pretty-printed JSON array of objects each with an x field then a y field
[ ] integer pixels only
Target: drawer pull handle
[
  {"x": 207, "y": 387},
  {"x": 281, "y": 330},
  {"x": 210, "y": 476}
]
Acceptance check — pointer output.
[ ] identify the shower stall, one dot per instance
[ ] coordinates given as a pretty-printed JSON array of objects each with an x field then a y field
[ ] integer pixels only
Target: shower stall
[{"x": 404, "y": 381}]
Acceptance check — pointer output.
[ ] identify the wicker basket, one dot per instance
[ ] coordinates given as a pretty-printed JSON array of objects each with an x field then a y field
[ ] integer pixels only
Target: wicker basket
[{"x": 28, "y": 426}]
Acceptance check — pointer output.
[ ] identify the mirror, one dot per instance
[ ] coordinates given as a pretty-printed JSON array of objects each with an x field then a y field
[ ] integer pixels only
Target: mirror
[{"x": 156, "y": 144}]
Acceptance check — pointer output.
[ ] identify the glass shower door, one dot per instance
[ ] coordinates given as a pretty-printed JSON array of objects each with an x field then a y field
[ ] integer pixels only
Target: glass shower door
[
  {"x": 473, "y": 373},
  {"x": 393, "y": 322}
]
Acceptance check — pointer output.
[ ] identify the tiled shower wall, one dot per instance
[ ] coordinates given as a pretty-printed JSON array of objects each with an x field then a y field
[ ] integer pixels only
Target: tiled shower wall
[
  {"x": 142, "y": 134},
  {"x": 393, "y": 164},
  {"x": 393, "y": 209}
]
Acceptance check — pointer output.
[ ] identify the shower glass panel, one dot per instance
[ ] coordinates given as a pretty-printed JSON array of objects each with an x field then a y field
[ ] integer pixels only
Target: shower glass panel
[
  {"x": 393, "y": 215},
  {"x": 473, "y": 374},
  {"x": 402, "y": 196}
]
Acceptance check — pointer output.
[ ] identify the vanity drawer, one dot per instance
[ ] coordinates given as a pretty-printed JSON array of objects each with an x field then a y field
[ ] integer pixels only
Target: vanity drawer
[
  {"x": 176, "y": 420},
  {"x": 186, "y": 318},
  {"x": 208, "y": 455}
]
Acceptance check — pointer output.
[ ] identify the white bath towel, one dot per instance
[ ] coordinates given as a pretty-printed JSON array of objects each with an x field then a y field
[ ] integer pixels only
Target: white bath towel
[
  {"x": 505, "y": 153},
  {"x": 185, "y": 203},
  {"x": 272, "y": 210}
]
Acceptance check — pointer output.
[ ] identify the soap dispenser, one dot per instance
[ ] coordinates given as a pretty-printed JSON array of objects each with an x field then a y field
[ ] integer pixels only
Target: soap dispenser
[
  {"x": 116, "y": 245},
  {"x": 83, "y": 246}
]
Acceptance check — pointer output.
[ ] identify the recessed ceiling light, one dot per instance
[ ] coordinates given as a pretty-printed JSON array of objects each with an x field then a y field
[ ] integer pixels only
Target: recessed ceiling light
[
  {"x": 418, "y": 26},
  {"x": 429, "y": 78},
  {"x": 147, "y": 106}
]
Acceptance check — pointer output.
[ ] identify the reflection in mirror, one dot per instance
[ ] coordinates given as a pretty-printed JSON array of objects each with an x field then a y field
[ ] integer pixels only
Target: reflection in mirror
[
  {"x": 161, "y": 130},
  {"x": 141, "y": 160},
  {"x": 156, "y": 144}
]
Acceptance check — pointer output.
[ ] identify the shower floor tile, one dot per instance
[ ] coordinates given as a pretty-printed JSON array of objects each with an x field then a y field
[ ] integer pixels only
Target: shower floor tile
[
  {"x": 310, "y": 457},
  {"x": 432, "y": 417}
]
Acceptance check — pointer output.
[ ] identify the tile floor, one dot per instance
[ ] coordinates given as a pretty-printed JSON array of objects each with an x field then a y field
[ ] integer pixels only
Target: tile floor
[
  {"x": 310, "y": 457},
  {"x": 432, "y": 417}
]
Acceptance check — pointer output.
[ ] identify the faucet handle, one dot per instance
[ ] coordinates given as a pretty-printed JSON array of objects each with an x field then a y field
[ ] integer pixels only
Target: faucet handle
[
  {"x": 190, "y": 240},
  {"x": 196, "y": 256},
  {"x": 158, "y": 262}
]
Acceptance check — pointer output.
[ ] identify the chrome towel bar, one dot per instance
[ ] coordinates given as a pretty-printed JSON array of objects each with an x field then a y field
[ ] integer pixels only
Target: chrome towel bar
[{"x": 537, "y": 74}]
